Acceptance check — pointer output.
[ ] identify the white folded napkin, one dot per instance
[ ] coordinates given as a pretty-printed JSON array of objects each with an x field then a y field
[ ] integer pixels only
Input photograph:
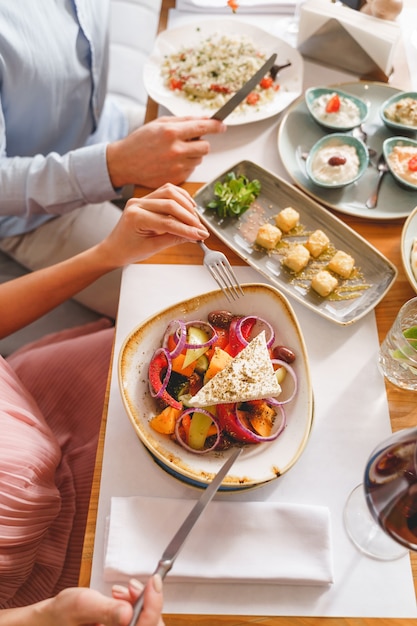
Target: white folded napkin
[
  {"x": 249, "y": 542},
  {"x": 245, "y": 6},
  {"x": 341, "y": 37}
]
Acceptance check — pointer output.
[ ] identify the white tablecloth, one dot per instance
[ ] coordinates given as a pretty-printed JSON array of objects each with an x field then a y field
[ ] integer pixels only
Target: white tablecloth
[{"x": 351, "y": 417}]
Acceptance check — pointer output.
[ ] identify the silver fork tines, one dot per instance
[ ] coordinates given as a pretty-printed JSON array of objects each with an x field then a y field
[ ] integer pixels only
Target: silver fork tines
[{"x": 219, "y": 267}]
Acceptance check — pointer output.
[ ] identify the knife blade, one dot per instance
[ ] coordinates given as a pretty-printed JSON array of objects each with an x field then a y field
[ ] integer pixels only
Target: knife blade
[
  {"x": 174, "y": 547},
  {"x": 232, "y": 103}
]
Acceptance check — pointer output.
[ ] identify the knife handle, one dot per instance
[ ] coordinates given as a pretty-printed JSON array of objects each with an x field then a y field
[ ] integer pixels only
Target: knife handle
[{"x": 163, "y": 568}]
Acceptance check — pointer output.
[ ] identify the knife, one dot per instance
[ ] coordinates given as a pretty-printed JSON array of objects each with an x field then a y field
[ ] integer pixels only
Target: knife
[
  {"x": 174, "y": 547},
  {"x": 231, "y": 104}
]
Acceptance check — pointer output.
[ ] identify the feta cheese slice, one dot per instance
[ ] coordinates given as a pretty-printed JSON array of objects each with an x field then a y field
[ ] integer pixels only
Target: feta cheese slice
[{"x": 249, "y": 376}]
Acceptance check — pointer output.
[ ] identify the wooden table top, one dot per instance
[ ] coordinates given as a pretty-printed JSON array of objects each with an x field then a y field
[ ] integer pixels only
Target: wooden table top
[{"x": 386, "y": 237}]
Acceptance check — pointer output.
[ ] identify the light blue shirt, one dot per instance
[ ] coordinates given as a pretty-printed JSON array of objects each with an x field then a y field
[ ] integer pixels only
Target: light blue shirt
[{"x": 55, "y": 119}]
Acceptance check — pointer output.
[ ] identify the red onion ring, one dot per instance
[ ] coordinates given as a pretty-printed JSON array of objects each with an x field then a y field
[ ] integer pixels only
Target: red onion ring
[
  {"x": 241, "y": 321},
  {"x": 229, "y": 421},
  {"x": 178, "y": 432},
  {"x": 206, "y": 327},
  {"x": 158, "y": 394},
  {"x": 290, "y": 370},
  {"x": 180, "y": 334}
]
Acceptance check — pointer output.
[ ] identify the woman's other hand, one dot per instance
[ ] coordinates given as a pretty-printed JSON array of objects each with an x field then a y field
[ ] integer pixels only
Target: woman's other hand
[{"x": 163, "y": 218}]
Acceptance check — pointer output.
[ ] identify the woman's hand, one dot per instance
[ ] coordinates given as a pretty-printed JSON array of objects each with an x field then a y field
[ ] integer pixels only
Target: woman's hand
[
  {"x": 163, "y": 218},
  {"x": 87, "y": 607},
  {"x": 165, "y": 150}
]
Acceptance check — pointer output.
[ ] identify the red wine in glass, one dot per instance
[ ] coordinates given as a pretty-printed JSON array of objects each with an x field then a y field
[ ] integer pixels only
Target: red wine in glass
[
  {"x": 389, "y": 493},
  {"x": 391, "y": 489}
]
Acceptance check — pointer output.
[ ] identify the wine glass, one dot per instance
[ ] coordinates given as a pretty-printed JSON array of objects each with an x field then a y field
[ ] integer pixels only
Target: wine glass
[{"x": 380, "y": 515}]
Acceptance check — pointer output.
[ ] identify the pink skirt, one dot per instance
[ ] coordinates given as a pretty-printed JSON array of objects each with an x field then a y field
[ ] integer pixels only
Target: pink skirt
[{"x": 59, "y": 381}]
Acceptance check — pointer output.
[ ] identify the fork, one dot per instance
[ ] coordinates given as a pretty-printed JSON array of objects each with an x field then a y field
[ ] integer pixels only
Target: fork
[
  {"x": 275, "y": 69},
  {"x": 219, "y": 267},
  {"x": 382, "y": 168}
]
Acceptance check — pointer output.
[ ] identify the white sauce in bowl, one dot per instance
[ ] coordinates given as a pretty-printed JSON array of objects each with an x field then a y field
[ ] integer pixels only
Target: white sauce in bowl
[
  {"x": 403, "y": 111},
  {"x": 399, "y": 159},
  {"x": 327, "y": 166},
  {"x": 348, "y": 114}
]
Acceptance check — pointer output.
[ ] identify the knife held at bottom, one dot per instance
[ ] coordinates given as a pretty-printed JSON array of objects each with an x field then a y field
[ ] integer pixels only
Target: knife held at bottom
[
  {"x": 244, "y": 91},
  {"x": 173, "y": 548}
]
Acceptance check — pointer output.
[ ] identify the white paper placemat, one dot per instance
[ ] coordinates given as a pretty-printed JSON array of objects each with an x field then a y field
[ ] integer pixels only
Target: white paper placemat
[{"x": 351, "y": 417}]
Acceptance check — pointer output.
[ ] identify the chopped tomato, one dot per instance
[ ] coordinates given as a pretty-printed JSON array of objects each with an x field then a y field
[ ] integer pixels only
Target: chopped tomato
[
  {"x": 266, "y": 82},
  {"x": 412, "y": 164},
  {"x": 235, "y": 345},
  {"x": 221, "y": 341},
  {"x": 253, "y": 98},
  {"x": 219, "y": 88},
  {"x": 175, "y": 83},
  {"x": 222, "y": 337},
  {"x": 333, "y": 104},
  {"x": 171, "y": 345}
]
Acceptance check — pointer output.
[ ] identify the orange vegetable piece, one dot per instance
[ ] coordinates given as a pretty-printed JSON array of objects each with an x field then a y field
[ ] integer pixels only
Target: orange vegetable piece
[
  {"x": 333, "y": 104},
  {"x": 233, "y": 5},
  {"x": 218, "y": 362},
  {"x": 164, "y": 422},
  {"x": 212, "y": 431},
  {"x": 177, "y": 366},
  {"x": 185, "y": 424},
  {"x": 262, "y": 420}
]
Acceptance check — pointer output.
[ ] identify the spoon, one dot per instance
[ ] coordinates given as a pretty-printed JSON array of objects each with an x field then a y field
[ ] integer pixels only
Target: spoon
[
  {"x": 359, "y": 133},
  {"x": 382, "y": 168}
]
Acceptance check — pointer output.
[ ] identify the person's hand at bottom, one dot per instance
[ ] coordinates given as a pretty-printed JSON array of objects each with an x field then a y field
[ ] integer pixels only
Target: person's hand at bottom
[{"x": 87, "y": 607}]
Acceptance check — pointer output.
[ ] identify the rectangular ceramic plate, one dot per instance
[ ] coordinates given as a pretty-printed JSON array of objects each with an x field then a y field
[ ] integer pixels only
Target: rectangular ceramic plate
[{"x": 377, "y": 274}]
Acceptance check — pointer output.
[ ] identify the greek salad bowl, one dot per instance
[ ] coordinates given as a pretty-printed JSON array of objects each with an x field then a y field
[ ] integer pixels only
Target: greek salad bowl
[
  {"x": 399, "y": 112},
  {"x": 262, "y": 460},
  {"x": 337, "y": 160},
  {"x": 334, "y": 109}
]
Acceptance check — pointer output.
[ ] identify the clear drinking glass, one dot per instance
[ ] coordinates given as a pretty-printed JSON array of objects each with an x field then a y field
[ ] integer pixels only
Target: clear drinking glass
[
  {"x": 398, "y": 353},
  {"x": 292, "y": 26},
  {"x": 380, "y": 515}
]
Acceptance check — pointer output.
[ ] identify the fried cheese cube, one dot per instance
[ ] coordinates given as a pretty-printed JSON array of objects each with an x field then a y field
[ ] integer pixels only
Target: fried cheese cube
[
  {"x": 317, "y": 243},
  {"x": 341, "y": 263},
  {"x": 268, "y": 236},
  {"x": 324, "y": 283},
  {"x": 297, "y": 258},
  {"x": 287, "y": 219}
]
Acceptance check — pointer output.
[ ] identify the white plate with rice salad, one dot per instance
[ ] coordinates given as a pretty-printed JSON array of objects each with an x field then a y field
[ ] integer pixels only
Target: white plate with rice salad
[{"x": 194, "y": 69}]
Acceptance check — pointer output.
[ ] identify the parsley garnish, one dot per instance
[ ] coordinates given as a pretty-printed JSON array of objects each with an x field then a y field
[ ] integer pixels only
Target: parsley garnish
[{"x": 234, "y": 196}]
